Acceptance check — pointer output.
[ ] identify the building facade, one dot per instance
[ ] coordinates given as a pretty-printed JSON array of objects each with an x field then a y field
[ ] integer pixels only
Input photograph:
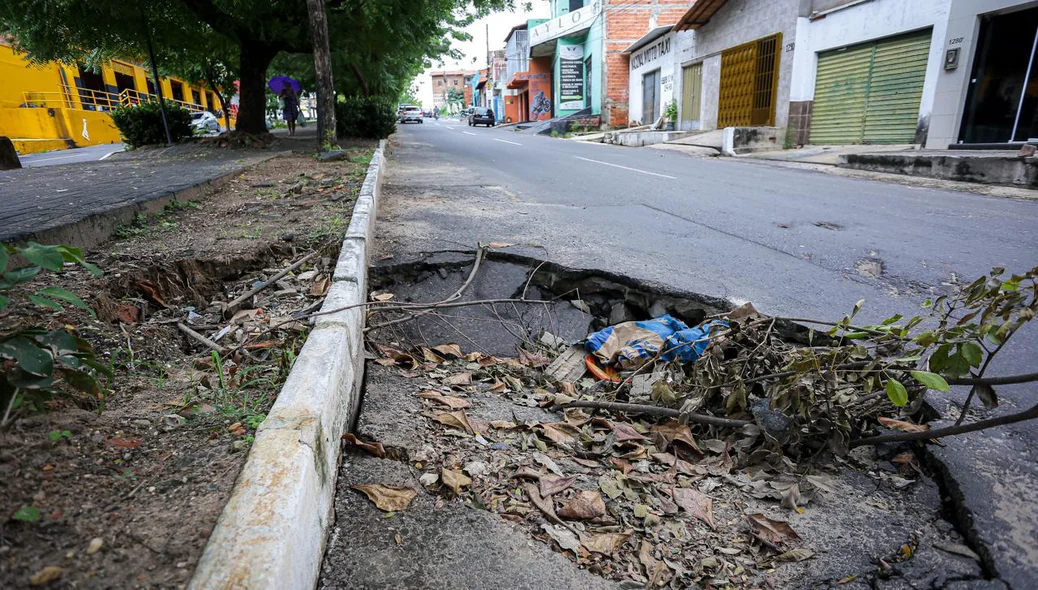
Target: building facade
[
  {"x": 929, "y": 72},
  {"x": 452, "y": 89},
  {"x": 55, "y": 105}
]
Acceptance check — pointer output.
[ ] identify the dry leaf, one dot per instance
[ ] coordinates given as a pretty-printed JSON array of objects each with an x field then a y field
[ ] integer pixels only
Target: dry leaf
[
  {"x": 674, "y": 431},
  {"x": 449, "y": 350},
  {"x": 455, "y": 480},
  {"x": 799, "y": 554},
  {"x": 655, "y": 569},
  {"x": 625, "y": 432},
  {"x": 695, "y": 503},
  {"x": 545, "y": 505},
  {"x": 585, "y": 505},
  {"x": 474, "y": 356},
  {"x": 381, "y": 296},
  {"x": 452, "y": 402},
  {"x": 902, "y": 425},
  {"x": 531, "y": 359},
  {"x": 456, "y": 420},
  {"x": 375, "y": 448},
  {"x": 553, "y": 484},
  {"x": 430, "y": 356},
  {"x": 503, "y": 424},
  {"x": 45, "y": 576},
  {"x": 566, "y": 538},
  {"x": 320, "y": 287},
  {"x": 499, "y": 245},
  {"x": 557, "y": 433},
  {"x": 459, "y": 379},
  {"x": 773, "y": 531},
  {"x": 387, "y": 498},
  {"x": 605, "y": 543},
  {"x": 682, "y": 465}
]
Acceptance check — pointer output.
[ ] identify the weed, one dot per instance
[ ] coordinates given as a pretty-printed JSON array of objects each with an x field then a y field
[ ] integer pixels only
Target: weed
[
  {"x": 56, "y": 435},
  {"x": 28, "y": 514},
  {"x": 332, "y": 225}
]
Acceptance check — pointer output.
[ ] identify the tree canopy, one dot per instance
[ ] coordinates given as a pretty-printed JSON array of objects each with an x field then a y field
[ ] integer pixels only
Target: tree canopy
[{"x": 377, "y": 46}]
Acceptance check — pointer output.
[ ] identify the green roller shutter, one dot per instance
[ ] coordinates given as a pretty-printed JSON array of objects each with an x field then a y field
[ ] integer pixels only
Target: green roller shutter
[{"x": 870, "y": 93}]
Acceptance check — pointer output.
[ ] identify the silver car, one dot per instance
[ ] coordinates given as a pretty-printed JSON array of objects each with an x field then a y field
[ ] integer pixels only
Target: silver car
[{"x": 411, "y": 114}]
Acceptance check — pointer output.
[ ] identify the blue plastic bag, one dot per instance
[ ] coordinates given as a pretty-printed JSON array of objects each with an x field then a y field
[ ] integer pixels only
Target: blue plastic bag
[
  {"x": 687, "y": 345},
  {"x": 629, "y": 345}
]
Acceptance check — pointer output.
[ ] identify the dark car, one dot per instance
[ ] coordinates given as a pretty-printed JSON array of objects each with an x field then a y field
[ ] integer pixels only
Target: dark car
[{"x": 482, "y": 115}]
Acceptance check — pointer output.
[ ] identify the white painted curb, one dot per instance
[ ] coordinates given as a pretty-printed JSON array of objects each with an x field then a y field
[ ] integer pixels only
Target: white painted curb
[{"x": 271, "y": 534}]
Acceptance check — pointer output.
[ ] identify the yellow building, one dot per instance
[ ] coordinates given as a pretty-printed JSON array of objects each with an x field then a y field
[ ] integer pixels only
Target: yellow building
[{"x": 57, "y": 106}]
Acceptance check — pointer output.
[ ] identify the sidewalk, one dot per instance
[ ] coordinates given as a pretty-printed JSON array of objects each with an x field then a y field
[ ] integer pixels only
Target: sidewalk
[{"x": 79, "y": 204}]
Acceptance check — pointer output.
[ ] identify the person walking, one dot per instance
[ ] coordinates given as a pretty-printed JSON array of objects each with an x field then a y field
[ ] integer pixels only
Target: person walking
[{"x": 290, "y": 112}]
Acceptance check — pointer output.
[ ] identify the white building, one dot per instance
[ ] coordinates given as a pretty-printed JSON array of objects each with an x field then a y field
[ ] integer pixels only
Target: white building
[{"x": 930, "y": 72}]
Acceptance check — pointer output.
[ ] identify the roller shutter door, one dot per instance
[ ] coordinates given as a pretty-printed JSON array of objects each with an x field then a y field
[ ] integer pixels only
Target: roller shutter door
[{"x": 870, "y": 93}]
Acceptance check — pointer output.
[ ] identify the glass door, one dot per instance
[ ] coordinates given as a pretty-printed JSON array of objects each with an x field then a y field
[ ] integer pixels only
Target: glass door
[{"x": 1002, "y": 100}]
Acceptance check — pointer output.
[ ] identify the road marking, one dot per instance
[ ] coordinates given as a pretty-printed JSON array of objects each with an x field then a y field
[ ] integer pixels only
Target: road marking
[
  {"x": 55, "y": 158},
  {"x": 106, "y": 156},
  {"x": 468, "y": 133},
  {"x": 506, "y": 141},
  {"x": 626, "y": 168}
]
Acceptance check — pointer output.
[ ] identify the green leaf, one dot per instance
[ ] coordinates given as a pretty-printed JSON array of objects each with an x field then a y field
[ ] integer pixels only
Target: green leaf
[
  {"x": 4, "y": 302},
  {"x": 972, "y": 352},
  {"x": 84, "y": 382},
  {"x": 30, "y": 357},
  {"x": 48, "y": 257},
  {"x": 44, "y": 302},
  {"x": 65, "y": 295},
  {"x": 16, "y": 277},
  {"x": 28, "y": 514},
  {"x": 61, "y": 341},
  {"x": 897, "y": 393},
  {"x": 3, "y": 258},
  {"x": 930, "y": 380},
  {"x": 892, "y": 319},
  {"x": 76, "y": 255}
]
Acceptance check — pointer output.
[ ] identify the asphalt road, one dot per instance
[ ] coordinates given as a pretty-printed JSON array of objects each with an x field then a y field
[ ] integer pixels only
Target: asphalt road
[
  {"x": 794, "y": 242},
  {"x": 93, "y": 153}
]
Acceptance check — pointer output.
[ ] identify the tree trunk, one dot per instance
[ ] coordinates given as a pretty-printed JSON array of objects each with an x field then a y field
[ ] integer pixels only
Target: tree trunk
[
  {"x": 252, "y": 91},
  {"x": 322, "y": 73},
  {"x": 360, "y": 80}
]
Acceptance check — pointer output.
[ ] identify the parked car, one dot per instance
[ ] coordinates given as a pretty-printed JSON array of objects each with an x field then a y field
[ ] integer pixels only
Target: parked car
[
  {"x": 411, "y": 114},
  {"x": 481, "y": 115},
  {"x": 205, "y": 122}
]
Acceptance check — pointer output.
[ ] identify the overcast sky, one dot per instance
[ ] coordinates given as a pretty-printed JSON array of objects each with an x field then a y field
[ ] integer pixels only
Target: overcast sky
[{"x": 499, "y": 24}]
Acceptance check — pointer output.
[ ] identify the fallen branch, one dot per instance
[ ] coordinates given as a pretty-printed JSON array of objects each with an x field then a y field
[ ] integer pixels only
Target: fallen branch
[
  {"x": 658, "y": 411},
  {"x": 1029, "y": 414},
  {"x": 480, "y": 252},
  {"x": 202, "y": 339},
  {"x": 1007, "y": 380},
  {"x": 232, "y": 307}
]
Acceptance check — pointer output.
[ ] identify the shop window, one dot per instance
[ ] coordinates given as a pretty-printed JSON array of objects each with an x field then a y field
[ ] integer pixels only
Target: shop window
[
  {"x": 178, "y": 90},
  {"x": 575, "y": 5}
]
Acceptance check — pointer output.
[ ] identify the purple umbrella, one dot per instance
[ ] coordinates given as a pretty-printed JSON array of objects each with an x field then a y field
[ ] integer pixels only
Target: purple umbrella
[{"x": 277, "y": 84}]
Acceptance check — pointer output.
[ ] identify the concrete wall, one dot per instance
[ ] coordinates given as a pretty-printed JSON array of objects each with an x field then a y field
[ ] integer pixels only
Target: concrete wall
[
  {"x": 735, "y": 23},
  {"x": 851, "y": 23},
  {"x": 658, "y": 55},
  {"x": 962, "y": 31}
]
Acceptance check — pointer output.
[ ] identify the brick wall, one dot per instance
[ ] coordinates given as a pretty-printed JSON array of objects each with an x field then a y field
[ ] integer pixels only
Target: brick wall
[{"x": 626, "y": 21}]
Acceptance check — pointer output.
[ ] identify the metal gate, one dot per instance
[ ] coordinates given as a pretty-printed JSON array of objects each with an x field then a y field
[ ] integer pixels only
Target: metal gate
[
  {"x": 870, "y": 93},
  {"x": 650, "y": 97},
  {"x": 691, "y": 89},
  {"x": 749, "y": 81}
]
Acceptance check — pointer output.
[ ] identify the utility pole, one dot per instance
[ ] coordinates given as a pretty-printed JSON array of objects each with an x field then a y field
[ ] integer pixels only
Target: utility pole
[{"x": 322, "y": 73}]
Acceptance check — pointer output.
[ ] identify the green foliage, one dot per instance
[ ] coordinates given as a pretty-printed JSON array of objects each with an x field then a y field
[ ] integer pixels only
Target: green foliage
[
  {"x": 39, "y": 363},
  {"x": 368, "y": 118},
  {"x": 142, "y": 124},
  {"x": 56, "y": 435},
  {"x": 28, "y": 514},
  {"x": 671, "y": 112}
]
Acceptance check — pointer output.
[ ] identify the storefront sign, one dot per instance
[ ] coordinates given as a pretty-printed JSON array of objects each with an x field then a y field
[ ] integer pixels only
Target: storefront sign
[
  {"x": 571, "y": 76},
  {"x": 567, "y": 24},
  {"x": 651, "y": 53}
]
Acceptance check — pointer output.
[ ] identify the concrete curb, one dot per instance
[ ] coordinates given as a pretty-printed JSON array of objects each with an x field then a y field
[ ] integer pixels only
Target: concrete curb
[
  {"x": 94, "y": 229},
  {"x": 272, "y": 532}
]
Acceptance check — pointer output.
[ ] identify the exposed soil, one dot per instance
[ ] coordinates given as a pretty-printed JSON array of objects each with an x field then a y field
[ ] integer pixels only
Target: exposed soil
[{"x": 129, "y": 484}]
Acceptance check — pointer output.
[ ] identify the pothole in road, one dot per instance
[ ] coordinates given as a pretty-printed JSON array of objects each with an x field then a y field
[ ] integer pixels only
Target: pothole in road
[
  {"x": 869, "y": 267},
  {"x": 829, "y": 226}
]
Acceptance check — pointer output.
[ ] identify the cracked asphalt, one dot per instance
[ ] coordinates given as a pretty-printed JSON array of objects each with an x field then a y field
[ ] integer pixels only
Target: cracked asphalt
[{"x": 795, "y": 242}]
